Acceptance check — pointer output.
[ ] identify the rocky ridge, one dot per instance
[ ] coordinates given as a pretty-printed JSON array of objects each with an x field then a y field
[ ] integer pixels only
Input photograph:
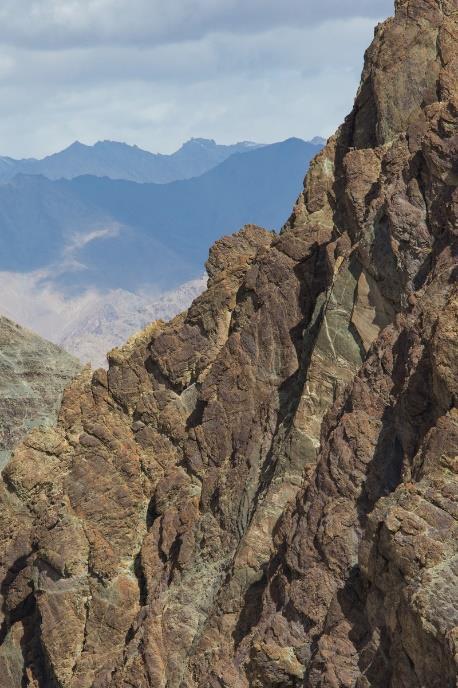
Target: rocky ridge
[{"x": 262, "y": 492}]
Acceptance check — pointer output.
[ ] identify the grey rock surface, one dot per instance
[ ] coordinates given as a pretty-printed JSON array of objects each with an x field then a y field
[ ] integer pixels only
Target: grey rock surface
[{"x": 33, "y": 375}]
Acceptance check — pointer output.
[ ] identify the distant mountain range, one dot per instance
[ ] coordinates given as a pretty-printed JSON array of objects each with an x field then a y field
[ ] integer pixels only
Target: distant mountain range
[
  {"x": 110, "y": 319},
  {"x": 91, "y": 250},
  {"x": 92, "y": 232},
  {"x": 121, "y": 161}
]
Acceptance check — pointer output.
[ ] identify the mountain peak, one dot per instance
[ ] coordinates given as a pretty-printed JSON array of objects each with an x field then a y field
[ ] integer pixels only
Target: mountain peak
[
  {"x": 119, "y": 160},
  {"x": 74, "y": 146},
  {"x": 194, "y": 142},
  {"x": 318, "y": 141},
  {"x": 261, "y": 492},
  {"x": 109, "y": 143}
]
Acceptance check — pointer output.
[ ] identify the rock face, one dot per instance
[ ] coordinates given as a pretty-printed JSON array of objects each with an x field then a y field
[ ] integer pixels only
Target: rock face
[
  {"x": 33, "y": 375},
  {"x": 262, "y": 492}
]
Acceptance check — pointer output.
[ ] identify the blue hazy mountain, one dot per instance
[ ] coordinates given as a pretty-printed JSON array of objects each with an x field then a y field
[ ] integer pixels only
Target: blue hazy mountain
[
  {"x": 93, "y": 231},
  {"x": 121, "y": 161}
]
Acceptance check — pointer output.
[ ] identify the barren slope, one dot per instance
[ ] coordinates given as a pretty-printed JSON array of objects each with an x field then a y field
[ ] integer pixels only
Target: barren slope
[{"x": 192, "y": 520}]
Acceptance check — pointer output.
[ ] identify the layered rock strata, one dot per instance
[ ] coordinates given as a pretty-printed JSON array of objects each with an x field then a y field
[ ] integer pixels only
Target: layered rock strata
[
  {"x": 262, "y": 492},
  {"x": 33, "y": 375}
]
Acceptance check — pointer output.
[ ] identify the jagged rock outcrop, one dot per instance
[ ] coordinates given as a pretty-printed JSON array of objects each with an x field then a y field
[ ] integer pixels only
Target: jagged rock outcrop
[
  {"x": 262, "y": 491},
  {"x": 33, "y": 375}
]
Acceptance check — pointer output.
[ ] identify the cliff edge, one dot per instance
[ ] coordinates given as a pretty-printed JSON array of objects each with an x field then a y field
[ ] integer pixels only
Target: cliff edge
[{"x": 262, "y": 492}]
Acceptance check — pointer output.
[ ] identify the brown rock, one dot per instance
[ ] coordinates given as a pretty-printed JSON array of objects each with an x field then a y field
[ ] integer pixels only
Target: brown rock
[{"x": 262, "y": 492}]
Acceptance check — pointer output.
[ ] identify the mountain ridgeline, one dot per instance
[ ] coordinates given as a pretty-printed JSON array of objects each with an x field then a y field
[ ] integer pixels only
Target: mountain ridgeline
[
  {"x": 105, "y": 233},
  {"x": 120, "y": 161},
  {"x": 261, "y": 493}
]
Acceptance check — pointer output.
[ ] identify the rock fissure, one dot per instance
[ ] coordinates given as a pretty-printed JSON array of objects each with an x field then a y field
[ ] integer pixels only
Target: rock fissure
[{"x": 260, "y": 493}]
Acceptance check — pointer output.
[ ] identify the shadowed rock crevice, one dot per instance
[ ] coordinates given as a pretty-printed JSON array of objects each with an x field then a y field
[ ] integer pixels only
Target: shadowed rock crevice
[
  {"x": 260, "y": 493},
  {"x": 24, "y": 608}
]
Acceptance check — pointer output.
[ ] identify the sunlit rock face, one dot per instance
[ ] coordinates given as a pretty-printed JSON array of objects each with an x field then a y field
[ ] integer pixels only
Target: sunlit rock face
[{"x": 261, "y": 492}]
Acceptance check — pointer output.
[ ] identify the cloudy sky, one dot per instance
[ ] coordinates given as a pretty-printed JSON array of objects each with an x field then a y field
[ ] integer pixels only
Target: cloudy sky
[{"x": 155, "y": 73}]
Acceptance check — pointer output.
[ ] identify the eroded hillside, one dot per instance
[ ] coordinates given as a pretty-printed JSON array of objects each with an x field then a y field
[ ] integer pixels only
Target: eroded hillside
[{"x": 262, "y": 492}]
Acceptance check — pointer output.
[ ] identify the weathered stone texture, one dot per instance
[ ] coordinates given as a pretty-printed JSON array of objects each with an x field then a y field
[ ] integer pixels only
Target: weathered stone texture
[
  {"x": 33, "y": 375},
  {"x": 262, "y": 492}
]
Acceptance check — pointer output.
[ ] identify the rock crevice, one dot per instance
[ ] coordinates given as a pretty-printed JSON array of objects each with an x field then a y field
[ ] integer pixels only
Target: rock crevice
[{"x": 261, "y": 493}]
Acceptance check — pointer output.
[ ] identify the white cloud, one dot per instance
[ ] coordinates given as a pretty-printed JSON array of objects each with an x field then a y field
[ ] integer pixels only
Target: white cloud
[
  {"x": 228, "y": 85},
  {"x": 67, "y": 23},
  {"x": 155, "y": 73}
]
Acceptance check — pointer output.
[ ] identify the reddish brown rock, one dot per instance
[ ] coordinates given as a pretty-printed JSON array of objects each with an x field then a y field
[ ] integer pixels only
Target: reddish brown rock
[{"x": 261, "y": 492}]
